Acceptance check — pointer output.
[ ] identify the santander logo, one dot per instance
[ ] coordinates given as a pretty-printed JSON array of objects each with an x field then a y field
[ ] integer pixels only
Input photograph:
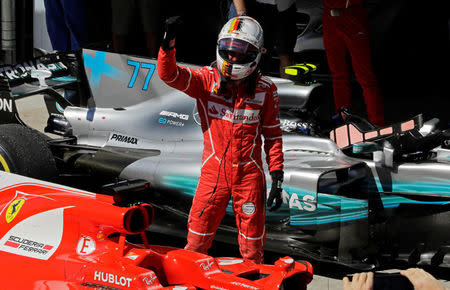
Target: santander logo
[{"x": 237, "y": 116}]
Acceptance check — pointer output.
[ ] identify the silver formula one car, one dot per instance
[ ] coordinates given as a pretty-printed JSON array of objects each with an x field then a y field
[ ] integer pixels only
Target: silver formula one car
[{"x": 359, "y": 195}]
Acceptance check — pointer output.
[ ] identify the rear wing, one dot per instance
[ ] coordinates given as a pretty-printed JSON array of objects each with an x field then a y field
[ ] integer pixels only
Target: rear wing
[
  {"x": 60, "y": 66},
  {"x": 51, "y": 75}
]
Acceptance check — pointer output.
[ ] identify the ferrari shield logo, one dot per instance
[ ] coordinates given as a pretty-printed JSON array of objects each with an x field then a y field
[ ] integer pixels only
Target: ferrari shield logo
[{"x": 13, "y": 209}]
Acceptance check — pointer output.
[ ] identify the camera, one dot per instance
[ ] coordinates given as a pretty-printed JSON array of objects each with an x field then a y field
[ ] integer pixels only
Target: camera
[{"x": 389, "y": 281}]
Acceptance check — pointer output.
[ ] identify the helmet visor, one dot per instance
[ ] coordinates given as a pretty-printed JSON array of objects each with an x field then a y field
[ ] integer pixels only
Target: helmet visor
[{"x": 237, "y": 51}]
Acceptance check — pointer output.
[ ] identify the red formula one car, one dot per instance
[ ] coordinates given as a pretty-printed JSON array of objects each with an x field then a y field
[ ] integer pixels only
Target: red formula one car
[{"x": 56, "y": 237}]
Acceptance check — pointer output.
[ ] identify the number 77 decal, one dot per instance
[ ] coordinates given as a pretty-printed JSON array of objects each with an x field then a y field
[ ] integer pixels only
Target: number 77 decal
[{"x": 137, "y": 65}]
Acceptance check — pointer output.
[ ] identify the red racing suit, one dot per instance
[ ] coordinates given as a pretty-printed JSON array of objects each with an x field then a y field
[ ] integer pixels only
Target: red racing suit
[
  {"x": 231, "y": 162},
  {"x": 346, "y": 32}
]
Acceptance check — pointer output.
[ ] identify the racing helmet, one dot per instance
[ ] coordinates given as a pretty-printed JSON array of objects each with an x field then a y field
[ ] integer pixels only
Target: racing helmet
[{"x": 239, "y": 47}]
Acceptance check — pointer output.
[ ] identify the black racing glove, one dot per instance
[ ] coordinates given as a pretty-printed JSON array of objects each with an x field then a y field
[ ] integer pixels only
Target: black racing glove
[
  {"x": 276, "y": 190},
  {"x": 172, "y": 26}
]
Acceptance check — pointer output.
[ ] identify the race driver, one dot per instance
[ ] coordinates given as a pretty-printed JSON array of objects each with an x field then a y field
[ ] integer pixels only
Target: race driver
[{"x": 236, "y": 105}]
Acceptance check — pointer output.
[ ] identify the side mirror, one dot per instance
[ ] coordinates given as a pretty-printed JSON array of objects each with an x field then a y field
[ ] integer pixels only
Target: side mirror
[{"x": 41, "y": 75}]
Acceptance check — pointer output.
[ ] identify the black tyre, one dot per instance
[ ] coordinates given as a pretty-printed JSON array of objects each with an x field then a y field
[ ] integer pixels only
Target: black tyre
[{"x": 25, "y": 151}]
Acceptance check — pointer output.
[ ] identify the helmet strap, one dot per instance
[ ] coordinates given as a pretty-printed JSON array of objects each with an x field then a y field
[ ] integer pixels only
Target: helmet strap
[{"x": 223, "y": 80}]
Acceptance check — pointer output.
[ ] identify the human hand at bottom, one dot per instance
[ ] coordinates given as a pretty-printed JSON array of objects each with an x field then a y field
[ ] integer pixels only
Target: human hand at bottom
[
  {"x": 421, "y": 279},
  {"x": 360, "y": 281}
]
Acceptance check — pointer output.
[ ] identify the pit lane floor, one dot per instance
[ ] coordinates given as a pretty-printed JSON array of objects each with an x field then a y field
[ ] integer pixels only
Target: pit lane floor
[{"x": 326, "y": 276}]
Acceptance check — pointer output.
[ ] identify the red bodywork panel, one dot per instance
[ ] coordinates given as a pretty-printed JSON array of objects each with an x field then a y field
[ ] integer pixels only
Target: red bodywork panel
[{"x": 56, "y": 237}]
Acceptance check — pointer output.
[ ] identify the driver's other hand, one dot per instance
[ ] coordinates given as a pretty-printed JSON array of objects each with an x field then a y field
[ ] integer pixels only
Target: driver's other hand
[{"x": 360, "y": 281}]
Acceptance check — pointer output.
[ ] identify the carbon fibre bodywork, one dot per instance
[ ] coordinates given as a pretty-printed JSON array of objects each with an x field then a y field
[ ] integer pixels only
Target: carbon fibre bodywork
[{"x": 337, "y": 207}]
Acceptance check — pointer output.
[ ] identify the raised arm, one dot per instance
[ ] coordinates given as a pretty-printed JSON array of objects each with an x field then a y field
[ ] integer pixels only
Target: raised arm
[{"x": 188, "y": 80}]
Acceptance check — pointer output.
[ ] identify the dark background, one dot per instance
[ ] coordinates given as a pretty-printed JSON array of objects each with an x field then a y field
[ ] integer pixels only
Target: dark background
[
  {"x": 410, "y": 47},
  {"x": 409, "y": 39}
]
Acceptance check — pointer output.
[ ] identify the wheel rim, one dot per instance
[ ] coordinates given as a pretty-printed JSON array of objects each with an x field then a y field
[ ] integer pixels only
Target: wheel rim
[{"x": 5, "y": 161}]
